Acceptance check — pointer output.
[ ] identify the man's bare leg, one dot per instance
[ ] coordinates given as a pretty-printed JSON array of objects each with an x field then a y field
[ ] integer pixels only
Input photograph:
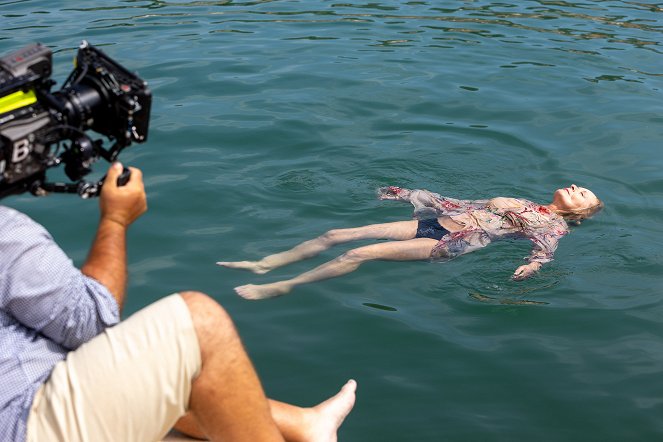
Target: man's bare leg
[
  {"x": 319, "y": 423},
  {"x": 398, "y": 231},
  {"x": 297, "y": 424},
  {"x": 409, "y": 250},
  {"x": 227, "y": 400}
]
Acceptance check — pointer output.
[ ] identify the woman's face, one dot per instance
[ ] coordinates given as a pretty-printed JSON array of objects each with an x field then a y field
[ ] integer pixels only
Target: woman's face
[{"x": 574, "y": 198}]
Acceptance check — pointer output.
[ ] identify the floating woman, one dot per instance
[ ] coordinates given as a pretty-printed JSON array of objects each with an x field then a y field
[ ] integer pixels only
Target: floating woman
[{"x": 443, "y": 229}]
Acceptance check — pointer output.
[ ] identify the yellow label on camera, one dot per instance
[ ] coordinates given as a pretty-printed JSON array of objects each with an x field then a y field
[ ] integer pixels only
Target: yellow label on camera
[{"x": 17, "y": 100}]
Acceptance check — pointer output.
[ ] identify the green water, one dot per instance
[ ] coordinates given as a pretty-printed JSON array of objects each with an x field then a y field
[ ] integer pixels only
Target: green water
[{"x": 276, "y": 121}]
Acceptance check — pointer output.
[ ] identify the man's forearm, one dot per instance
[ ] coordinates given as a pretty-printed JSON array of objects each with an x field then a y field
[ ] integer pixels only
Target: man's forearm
[{"x": 107, "y": 261}]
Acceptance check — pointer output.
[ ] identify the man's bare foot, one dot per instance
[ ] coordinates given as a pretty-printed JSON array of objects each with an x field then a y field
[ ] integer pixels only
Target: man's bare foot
[
  {"x": 255, "y": 292},
  {"x": 325, "y": 418},
  {"x": 252, "y": 266}
]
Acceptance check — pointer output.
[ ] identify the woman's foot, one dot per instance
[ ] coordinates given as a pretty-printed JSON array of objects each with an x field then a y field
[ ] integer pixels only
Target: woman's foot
[
  {"x": 325, "y": 418},
  {"x": 264, "y": 291},
  {"x": 252, "y": 266}
]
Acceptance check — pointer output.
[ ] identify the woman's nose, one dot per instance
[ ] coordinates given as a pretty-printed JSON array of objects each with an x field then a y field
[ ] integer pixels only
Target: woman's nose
[{"x": 573, "y": 187}]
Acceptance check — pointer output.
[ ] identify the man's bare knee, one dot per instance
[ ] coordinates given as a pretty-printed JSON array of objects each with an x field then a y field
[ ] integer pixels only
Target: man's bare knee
[{"x": 212, "y": 323}]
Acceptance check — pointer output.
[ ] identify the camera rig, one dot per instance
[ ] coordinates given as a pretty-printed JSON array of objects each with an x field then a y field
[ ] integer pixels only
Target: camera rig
[{"x": 40, "y": 129}]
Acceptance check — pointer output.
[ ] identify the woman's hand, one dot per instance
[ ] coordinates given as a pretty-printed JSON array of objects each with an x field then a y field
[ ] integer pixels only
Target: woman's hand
[
  {"x": 525, "y": 271},
  {"x": 392, "y": 193}
]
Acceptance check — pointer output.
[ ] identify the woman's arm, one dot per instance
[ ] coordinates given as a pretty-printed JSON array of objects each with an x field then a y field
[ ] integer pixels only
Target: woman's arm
[
  {"x": 428, "y": 204},
  {"x": 542, "y": 252}
]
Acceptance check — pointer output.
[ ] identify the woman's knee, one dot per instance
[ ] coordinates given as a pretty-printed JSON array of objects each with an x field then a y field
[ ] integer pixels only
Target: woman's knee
[
  {"x": 357, "y": 255},
  {"x": 333, "y": 236}
]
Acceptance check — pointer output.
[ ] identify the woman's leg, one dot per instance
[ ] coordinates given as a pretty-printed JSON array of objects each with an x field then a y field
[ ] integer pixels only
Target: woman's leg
[
  {"x": 408, "y": 250},
  {"x": 398, "y": 231}
]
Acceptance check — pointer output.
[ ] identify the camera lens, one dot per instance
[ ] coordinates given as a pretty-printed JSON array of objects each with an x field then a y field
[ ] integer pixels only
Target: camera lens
[{"x": 81, "y": 103}]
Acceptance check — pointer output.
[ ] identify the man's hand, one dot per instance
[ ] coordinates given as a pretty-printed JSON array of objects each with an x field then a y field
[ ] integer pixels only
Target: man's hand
[
  {"x": 122, "y": 204},
  {"x": 525, "y": 271}
]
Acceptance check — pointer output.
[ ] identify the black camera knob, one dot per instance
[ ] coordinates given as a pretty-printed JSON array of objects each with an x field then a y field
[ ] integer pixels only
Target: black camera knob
[{"x": 124, "y": 177}]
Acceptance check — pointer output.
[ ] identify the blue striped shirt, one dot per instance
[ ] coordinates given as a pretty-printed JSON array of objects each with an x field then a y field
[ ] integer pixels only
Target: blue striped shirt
[{"x": 47, "y": 308}]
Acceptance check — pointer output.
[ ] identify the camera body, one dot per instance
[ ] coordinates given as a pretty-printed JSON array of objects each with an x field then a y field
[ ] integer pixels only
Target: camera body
[{"x": 40, "y": 129}]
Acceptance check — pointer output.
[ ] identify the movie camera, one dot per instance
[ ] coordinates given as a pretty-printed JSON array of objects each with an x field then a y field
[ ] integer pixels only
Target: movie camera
[{"x": 40, "y": 129}]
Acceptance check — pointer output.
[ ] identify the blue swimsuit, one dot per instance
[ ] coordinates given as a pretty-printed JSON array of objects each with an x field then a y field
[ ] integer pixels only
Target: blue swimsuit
[{"x": 430, "y": 228}]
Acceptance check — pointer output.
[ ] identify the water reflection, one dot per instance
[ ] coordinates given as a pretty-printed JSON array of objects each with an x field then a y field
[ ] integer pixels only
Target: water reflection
[
  {"x": 620, "y": 23},
  {"x": 505, "y": 301}
]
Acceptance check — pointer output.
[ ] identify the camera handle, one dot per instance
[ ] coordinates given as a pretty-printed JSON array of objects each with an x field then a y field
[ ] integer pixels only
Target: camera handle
[
  {"x": 124, "y": 177},
  {"x": 87, "y": 190},
  {"x": 84, "y": 189}
]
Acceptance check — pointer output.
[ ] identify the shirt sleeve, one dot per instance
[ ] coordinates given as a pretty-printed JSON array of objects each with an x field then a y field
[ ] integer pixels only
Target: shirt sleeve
[
  {"x": 544, "y": 246},
  {"x": 43, "y": 290},
  {"x": 428, "y": 204}
]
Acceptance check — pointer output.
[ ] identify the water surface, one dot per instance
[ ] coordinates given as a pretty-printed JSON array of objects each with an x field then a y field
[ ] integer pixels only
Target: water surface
[{"x": 276, "y": 121}]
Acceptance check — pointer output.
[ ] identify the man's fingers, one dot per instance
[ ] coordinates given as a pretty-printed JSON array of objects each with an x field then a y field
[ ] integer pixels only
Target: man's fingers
[
  {"x": 114, "y": 171},
  {"x": 136, "y": 174}
]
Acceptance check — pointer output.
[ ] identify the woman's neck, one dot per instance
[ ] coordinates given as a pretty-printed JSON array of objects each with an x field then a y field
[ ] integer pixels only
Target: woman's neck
[{"x": 553, "y": 208}]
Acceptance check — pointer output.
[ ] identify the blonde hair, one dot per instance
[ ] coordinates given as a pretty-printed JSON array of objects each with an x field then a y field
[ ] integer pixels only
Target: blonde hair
[{"x": 578, "y": 215}]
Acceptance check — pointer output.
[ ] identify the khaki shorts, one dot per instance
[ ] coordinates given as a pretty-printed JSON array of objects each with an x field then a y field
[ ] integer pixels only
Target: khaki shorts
[{"x": 130, "y": 383}]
